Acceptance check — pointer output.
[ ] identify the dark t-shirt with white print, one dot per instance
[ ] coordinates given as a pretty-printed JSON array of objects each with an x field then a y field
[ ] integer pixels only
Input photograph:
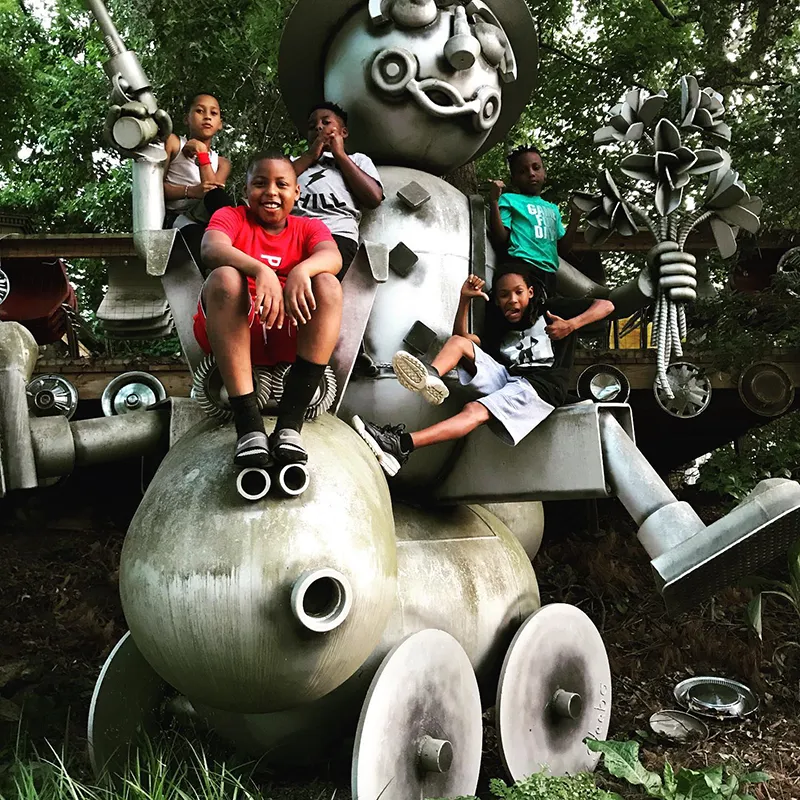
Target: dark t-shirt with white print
[{"x": 525, "y": 349}]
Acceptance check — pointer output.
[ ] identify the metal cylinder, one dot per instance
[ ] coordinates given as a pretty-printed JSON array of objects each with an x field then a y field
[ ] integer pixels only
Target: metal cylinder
[
  {"x": 18, "y": 354},
  {"x": 148, "y": 195},
  {"x": 293, "y": 479},
  {"x": 206, "y": 581},
  {"x": 632, "y": 478},
  {"x": 105, "y": 439},
  {"x": 568, "y": 705},
  {"x": 435, "y": 755},
  {"x": 53, "y": 446},
  {"x": 253, "y": 483}
]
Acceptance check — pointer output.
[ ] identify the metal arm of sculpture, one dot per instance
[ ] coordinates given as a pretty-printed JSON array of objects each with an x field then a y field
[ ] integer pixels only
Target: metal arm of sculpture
[{"x": 135, "y": 125}]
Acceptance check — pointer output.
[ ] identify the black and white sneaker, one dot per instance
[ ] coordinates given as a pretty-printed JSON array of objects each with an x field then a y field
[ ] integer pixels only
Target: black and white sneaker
[
  {"x": 415, "y": 376},
  {"x": 384, "y": 443},
  {"x": 252, "y": 450},
  {"x": 286, "y": 447}
]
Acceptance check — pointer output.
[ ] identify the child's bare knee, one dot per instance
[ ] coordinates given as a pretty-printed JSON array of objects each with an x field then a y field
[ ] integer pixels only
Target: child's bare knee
[
  {"x": 327, "y": 289},
  {"x": 477, "y": 411},
  {"x": 224, "y": 286}
]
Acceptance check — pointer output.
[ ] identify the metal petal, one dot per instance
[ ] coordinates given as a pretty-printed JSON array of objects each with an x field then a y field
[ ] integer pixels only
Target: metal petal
[
  {"x": 619, "y": 123},
  {"x": 617, "y": 109},
  {"x": 686, "y": 157},
  {"x": 754, "y": 204},
  {"x": 703, "y": 118},
  {"x": 718, "y": 181},
  {"x": 651, "y": 107},
  {"x": 741, "y": 217},
  {"x": 623, "y": 221},
  {"x": 634, "y": 98},
  {"x": 640, "y": 166},
  {"x": 664, "y": 162},
  {"x": 635, "y": 132},
  {"x": 707, "y": 161},
  {"x": 586, "y": 202},
  {"x": 667, "y": 136},
  {"x": 594, "y": 235},
  {"x": 690, "y": 94},
  {"x": 722, "y": 131},
  {"x": 609, "y": 204},
  {"x": 723, "y": 236},
  {"x": 707, "y": 90},
  {"x": 667, "y": 198},
  {"x": 728, "y": 196},
  {"x": 679, "y": 179},
  {"x": 605, "y": 135},
  {"x": 606, "y": 183}
]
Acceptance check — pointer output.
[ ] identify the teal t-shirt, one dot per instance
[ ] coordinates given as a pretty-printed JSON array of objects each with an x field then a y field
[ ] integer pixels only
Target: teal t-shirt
[{"x": 535, "y": 227}]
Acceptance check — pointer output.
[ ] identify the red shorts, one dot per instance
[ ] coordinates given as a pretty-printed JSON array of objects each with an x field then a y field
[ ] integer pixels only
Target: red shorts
[{"x": 266, "y": 347}]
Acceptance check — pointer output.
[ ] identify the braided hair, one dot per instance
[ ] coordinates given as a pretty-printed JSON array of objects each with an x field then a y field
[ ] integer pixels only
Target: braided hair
[{"x": 519, "y": 151}]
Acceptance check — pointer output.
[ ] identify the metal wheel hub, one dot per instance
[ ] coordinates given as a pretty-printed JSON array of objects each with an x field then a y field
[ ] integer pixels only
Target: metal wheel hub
[
  {"x": 51, "y": 395},
  {"x": 691, "y": 388},
  {"x": 554, "y": 690},
  {"x": 132, "y": 391}
]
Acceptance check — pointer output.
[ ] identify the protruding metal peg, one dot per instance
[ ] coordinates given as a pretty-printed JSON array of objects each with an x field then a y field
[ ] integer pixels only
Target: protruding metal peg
[
  {"x": 567, "y": 704},
  {"x": 435, "y": 755}
]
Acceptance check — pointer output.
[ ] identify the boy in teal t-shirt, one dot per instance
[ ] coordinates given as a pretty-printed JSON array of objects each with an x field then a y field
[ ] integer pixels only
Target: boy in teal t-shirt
[{"x": 529, "y": 227}]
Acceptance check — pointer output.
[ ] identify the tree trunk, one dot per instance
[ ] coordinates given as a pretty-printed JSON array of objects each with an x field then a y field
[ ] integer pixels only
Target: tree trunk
[{"x": 464, "y": 178}]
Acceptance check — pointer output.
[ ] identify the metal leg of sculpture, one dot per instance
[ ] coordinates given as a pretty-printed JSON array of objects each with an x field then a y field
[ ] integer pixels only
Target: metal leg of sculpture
[
  {"x": 125, "y": 704},
  {"x": 554, "y": 690},
  {"x": 691, "y": 561},
  {"x": 420, "y": 731}
]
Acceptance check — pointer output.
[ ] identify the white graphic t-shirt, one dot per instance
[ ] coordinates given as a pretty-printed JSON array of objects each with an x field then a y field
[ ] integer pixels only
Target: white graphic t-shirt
[{"x": 527, "y": 348}]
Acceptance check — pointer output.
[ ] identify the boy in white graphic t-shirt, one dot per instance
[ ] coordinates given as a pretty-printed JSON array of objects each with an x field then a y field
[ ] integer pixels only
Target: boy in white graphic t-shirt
[{"x": 335, "y": 186}]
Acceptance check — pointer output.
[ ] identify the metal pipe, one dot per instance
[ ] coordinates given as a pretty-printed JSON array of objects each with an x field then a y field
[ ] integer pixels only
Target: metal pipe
[
  {"x": 112, "y": 39},
  {"x": 632, "y": 478},
  {"x": 148, "y": 195},
  {"x": 435, "y": 755},
  {"x": 293, "y": 479},
  {"x": 53, "y": 446},
  {"x": 98, "y": 441},
  {"x": 253, "y": 483},
  {"x": 568, "y": 705}
]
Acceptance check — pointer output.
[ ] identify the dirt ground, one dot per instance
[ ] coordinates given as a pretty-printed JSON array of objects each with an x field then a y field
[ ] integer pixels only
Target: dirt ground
[{"x": 60, "y": 616}]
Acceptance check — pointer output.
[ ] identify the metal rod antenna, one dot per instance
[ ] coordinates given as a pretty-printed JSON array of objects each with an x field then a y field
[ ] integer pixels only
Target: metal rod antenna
[{"x": 112, "y": 39}]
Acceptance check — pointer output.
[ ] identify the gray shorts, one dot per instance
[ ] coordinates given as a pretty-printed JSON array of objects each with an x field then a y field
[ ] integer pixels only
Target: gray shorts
[{"x": 515, "y": 406}]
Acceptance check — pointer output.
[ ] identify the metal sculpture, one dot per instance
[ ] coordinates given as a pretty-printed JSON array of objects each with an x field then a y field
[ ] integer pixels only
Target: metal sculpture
[
  {"x": 276, "y": 619},
  {"x": 663, "y": 159}
]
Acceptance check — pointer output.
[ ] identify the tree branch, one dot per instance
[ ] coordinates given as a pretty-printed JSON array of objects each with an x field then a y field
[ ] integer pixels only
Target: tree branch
[{"x": 663, "y": 10}]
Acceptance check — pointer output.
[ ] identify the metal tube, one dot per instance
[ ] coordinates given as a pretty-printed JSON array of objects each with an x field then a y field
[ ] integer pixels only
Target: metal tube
[
  {"x": 148, "y": 195},
  {"x": 632, "y": 478},
  {"x": 98, "y": 441},
  {"x": 53, "y": 446},
  {"x": 253, "y": 483},
  {"x": 568, "y": 705},
  {"x": 293, "y": 479},
  {"x": 112, "y": 39},
  {"x": 435, "y": 755}
]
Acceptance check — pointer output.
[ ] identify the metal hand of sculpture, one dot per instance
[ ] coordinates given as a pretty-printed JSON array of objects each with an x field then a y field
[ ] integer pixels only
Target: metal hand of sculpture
[{"x": 670, "y": 165}]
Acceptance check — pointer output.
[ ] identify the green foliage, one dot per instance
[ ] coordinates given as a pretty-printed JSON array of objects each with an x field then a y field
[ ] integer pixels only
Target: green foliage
[
  {"x": 772, "y": 451},
  {"x": 789, "y": 591},
  {"x": 621, "y": 759},
  {"x": 541, "y": 786}
]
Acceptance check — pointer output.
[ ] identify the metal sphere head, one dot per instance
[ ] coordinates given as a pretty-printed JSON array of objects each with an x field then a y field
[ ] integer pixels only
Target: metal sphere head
[
  {"x": 259, "y": 607},
  {"x": 425, "y": 84}
]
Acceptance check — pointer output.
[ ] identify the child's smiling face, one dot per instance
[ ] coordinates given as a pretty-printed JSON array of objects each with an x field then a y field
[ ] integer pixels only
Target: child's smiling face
[
  {"x": 513, "y": 296},
  {"x": 204, "y": 119},
  {"x": 272, "y": 191}
]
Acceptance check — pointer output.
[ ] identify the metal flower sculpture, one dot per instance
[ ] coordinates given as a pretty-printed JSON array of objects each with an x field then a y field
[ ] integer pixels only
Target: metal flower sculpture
[{"x": 669, "y": 156}]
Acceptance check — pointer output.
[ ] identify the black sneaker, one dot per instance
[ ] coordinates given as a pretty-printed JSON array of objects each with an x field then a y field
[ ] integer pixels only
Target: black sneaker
[
  {"x": 286, "y": 447},
  {"x": 385, "y": 443},
  {"x": 252, "y": 450}
]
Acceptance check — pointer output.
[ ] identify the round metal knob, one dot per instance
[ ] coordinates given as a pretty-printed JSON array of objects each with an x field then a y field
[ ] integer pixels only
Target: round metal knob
[{"x": 435, "y": 755}]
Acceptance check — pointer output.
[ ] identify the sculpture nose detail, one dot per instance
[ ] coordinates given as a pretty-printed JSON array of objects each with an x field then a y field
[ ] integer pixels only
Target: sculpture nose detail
[{"x": 462, "y": 48}]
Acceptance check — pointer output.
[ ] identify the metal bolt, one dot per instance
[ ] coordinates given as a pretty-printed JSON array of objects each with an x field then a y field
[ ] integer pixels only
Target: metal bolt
[
  {"x": 391, "y": 69},
  {"x": 435, "y": 755},
  {"x": 44, "y": 400},
  {"x": 567, "y": 704},
  {"x": 133, "y": 400}
]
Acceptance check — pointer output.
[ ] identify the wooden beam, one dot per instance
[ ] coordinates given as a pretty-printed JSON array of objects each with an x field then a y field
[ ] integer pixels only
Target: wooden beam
[{"x": 67, "y": 245}]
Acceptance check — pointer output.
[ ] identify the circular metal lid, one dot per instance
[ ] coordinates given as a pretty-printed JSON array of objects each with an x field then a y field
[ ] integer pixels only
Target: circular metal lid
[
  {"x": 554, "y": 691},
  {"x": 719, "y": 698},
  {"x": 766, "y": 389},
  {"x": 132, "y": 391},
  {"x": 126, "y": 701},
  {"x": 420, "y": 732},
  {"x": 50, "y": 395},
  {"x": 603, "y": 383},
  {"x": 5, "y": 286},
  {"x": 312, "y": 24},
  {"x": 691, "y": 388},
  {"x": 677, "y": 726}
]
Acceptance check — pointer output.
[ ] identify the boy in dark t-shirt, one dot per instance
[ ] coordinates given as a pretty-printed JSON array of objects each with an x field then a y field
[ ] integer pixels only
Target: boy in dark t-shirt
[
  {"x": 272, "y": 297},
  {"x": 520, "y": 377}
]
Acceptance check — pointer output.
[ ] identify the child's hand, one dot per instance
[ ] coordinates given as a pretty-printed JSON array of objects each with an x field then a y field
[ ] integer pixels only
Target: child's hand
[
  {"x": 317, "y": 146},
  {"x": 496, "y": 189},
  {"x": 336, "y": 144},
  {"x": 558, "y": 328},
  {"x": 298, "y": 297},
  {"x": 473, "y": 287},
  {"x": 193, "y": 147},
  {"x": 269, "y": 298}
]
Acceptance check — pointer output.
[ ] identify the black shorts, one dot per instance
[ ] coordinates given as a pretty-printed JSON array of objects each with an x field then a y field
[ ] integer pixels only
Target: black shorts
[{"x": 347, "y": 249}]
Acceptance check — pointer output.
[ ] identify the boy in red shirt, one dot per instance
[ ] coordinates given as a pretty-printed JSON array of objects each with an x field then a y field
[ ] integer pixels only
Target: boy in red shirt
[{"x": 272, "y": 297}]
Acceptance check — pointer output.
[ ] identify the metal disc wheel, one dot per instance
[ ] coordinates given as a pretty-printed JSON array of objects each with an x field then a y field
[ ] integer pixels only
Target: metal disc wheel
[
  {"x": 132, "y": 391},
  {"x": 5, "y": 286},
  {"x": 209, "y": 390},
  {"x": 691, "y": 387},
  {"x": 420, "y": 731},
  {"x": 324, "y": 396},
  {"x": 554, "y": 691},
  {"x": 126, "y": 702},
  {"x": 50, "y": 396},
  {"x": 603, "y": 383},
  {"x": 766, "y": 389}
]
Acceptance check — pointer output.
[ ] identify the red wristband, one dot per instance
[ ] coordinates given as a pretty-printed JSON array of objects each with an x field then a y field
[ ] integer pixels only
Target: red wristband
[{"x": 203, "y": 159}]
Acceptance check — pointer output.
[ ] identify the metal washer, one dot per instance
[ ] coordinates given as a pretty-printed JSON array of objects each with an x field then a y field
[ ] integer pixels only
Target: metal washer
[
  {"x": 557, "y": 653},
  {"x": 126, "y": 702},
  {"x": 423, "y": 697}
]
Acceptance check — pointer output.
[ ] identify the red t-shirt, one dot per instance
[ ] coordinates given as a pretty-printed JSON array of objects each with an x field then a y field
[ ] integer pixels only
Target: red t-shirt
[{"x": 283, "y": 252}]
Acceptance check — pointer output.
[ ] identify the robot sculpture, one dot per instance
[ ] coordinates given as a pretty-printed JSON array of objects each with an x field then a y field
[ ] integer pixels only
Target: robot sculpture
[{"x": 290, "y": 624}]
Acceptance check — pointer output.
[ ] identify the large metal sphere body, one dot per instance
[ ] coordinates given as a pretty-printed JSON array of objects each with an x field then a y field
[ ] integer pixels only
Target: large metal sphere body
[
  {"x": 460, "y": 570},
  {"x": 439, "y": 234},
  {"x": 524, "y": 520},
  {"x": 206, "y": 577},
  {"x": 397, "y": 130}
]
